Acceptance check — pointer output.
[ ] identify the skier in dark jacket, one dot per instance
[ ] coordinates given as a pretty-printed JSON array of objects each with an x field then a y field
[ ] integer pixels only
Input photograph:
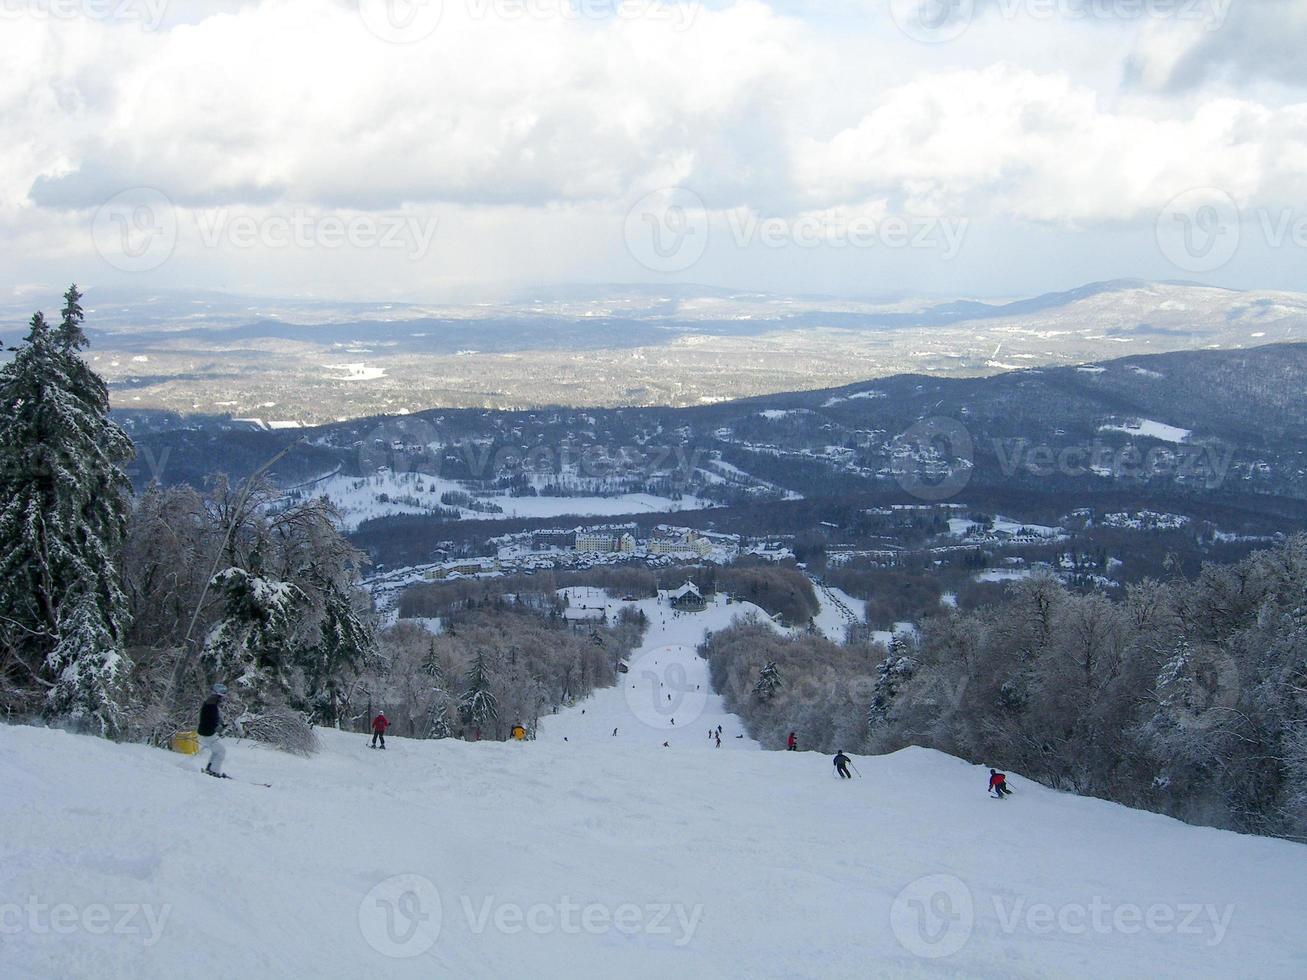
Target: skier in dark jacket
[
  {"x": 210, "y": 730},
  {"x": 379, "y": 726},
  {"x": 842, "y": 765},
  {"x": 998, "y": 784}
]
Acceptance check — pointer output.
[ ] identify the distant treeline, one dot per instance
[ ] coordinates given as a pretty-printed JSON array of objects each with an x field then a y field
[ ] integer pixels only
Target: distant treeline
[
  {"x": 495, "y": 667},
  {"x": 778, "y": 589}
]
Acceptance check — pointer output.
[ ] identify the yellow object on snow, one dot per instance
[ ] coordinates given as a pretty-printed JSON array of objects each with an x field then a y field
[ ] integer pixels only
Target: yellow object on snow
[
  {"x": 187, "y": 743},
  {"x": 519, "y": 733}
]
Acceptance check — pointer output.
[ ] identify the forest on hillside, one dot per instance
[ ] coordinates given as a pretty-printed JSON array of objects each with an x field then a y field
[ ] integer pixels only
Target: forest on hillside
[{"x": 1188, "y": 696}]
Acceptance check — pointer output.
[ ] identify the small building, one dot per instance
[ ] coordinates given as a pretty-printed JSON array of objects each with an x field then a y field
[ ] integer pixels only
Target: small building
[
  {"x": 688, "y": 598},
  {"x": 584, "y": 616},
  {"x": 465, "y": 567}
]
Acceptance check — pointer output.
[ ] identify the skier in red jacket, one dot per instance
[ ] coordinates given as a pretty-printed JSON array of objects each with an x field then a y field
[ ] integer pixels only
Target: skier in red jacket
[
  {"x": 792, "y": 743},
  {"x": 379, "y": 726},
  {"x": 998, "y": 784}
]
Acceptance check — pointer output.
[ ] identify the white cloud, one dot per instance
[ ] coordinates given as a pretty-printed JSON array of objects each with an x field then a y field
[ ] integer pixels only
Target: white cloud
[
  {"x": 1005, "y": 141},
  {"x": 529, "y": 130}
]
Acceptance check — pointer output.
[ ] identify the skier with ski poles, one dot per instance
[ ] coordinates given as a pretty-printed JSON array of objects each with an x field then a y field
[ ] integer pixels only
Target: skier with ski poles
[
  {"x": 792, "y": 743},
  {"x": 210, "y": 730},
  {"x": 379, "y": 726},
  {"x": 998, "y": 784},
  {"x": 842, "y": 765}
]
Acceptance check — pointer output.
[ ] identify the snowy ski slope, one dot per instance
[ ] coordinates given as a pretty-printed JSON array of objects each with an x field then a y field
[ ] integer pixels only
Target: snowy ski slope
[{"x": 587, "y": 855}]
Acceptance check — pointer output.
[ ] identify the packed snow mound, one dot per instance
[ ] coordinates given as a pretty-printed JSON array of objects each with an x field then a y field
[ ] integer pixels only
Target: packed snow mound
[{"x": 603, "y": 858}]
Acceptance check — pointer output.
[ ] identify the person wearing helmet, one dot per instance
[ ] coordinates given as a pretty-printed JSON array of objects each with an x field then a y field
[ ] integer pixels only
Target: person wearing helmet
[
  {"x": 210, "y": 730},
  {"x": 998, "y": 784}
]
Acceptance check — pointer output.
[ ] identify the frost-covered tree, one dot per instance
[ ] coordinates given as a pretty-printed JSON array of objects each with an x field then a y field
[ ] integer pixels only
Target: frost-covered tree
[
  {"x": 272, "y": 589},
  {"x": 344, "y": 643},
  {"x": 69, "y": 334},
  {"x": 438, "y": 715},
  {"x": 64, "y": 503},
  {"x": 477, "y": 705},
  {"x": 251, "y": 646},
  {"x": 892, "y": 673},
  {"x": 769, "y": 682}
]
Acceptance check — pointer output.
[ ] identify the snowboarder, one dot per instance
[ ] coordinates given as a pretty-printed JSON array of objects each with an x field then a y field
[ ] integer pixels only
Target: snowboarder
[
  {"x": 614, "y": 732},
  {"x": 379, "y": 726},
  {"x": 792, "y": 743},
  {"x": 998, "y": 784},
  {"x": 210, "y": 730},
  {"x": 842, "y": 765}
]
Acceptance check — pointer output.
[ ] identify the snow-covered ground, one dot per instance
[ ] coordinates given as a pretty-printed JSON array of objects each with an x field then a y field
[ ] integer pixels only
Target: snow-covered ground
[
  {"x": 961, "y": 526},
  {"x": 1002, "y": 574},
  {"x": 1152, "y": 429},
  {"x": 584, "y": 854},
  {"x": 838, "y": 611},
  {"x": 666, "y": 696},
  {"x": 359, "y": 499},
  {"x": 355, "y": 371}
]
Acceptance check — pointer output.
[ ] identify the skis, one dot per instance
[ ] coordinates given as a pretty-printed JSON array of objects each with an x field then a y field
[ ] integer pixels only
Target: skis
[{"x": 223, "y": 775}]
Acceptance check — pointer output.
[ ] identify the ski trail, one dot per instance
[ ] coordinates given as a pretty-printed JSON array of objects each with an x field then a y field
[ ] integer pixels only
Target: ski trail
[
  {"x": 667, "y": 695},
  {"x": 836, "y": 614}
]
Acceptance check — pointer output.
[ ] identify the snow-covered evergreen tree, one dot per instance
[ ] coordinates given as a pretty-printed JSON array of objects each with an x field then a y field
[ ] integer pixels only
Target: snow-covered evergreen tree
[
  {"x": 477, "y": 705},
  {"x": 344, "y": 643},
  {"x": 251, "y": 646},
  {"x": 769, "y": 682},
  {"x": 69, "y": 335},
  {"x": 438, "y": 716},
  {"x": 64, "y": 502},
  {"x": 893, "y": 672}
]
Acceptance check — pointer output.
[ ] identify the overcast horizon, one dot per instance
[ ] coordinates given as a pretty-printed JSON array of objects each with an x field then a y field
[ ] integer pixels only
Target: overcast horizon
[{"x": 428, "y": 152}]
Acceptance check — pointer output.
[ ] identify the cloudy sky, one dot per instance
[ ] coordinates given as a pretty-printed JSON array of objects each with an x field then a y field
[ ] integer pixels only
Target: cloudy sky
[{"x": 446, "y": 149}]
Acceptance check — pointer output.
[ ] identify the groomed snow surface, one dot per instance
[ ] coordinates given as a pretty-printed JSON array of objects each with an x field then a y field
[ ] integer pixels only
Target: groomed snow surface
[{"x": 585, "y": 854}]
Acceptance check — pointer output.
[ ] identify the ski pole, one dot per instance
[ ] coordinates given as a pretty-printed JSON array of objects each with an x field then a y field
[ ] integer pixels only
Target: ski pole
[{"x": 855, "y": 769}]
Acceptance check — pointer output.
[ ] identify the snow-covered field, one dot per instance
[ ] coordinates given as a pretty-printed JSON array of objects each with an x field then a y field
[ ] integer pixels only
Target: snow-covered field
[
  {"x": 1152, "y": 429},
  {"x": 1003, "y": 574},
  {"x": 359, "y": 499},
  {"x": 961, "y": 526},
  {"x": 585, "y": 854}
]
